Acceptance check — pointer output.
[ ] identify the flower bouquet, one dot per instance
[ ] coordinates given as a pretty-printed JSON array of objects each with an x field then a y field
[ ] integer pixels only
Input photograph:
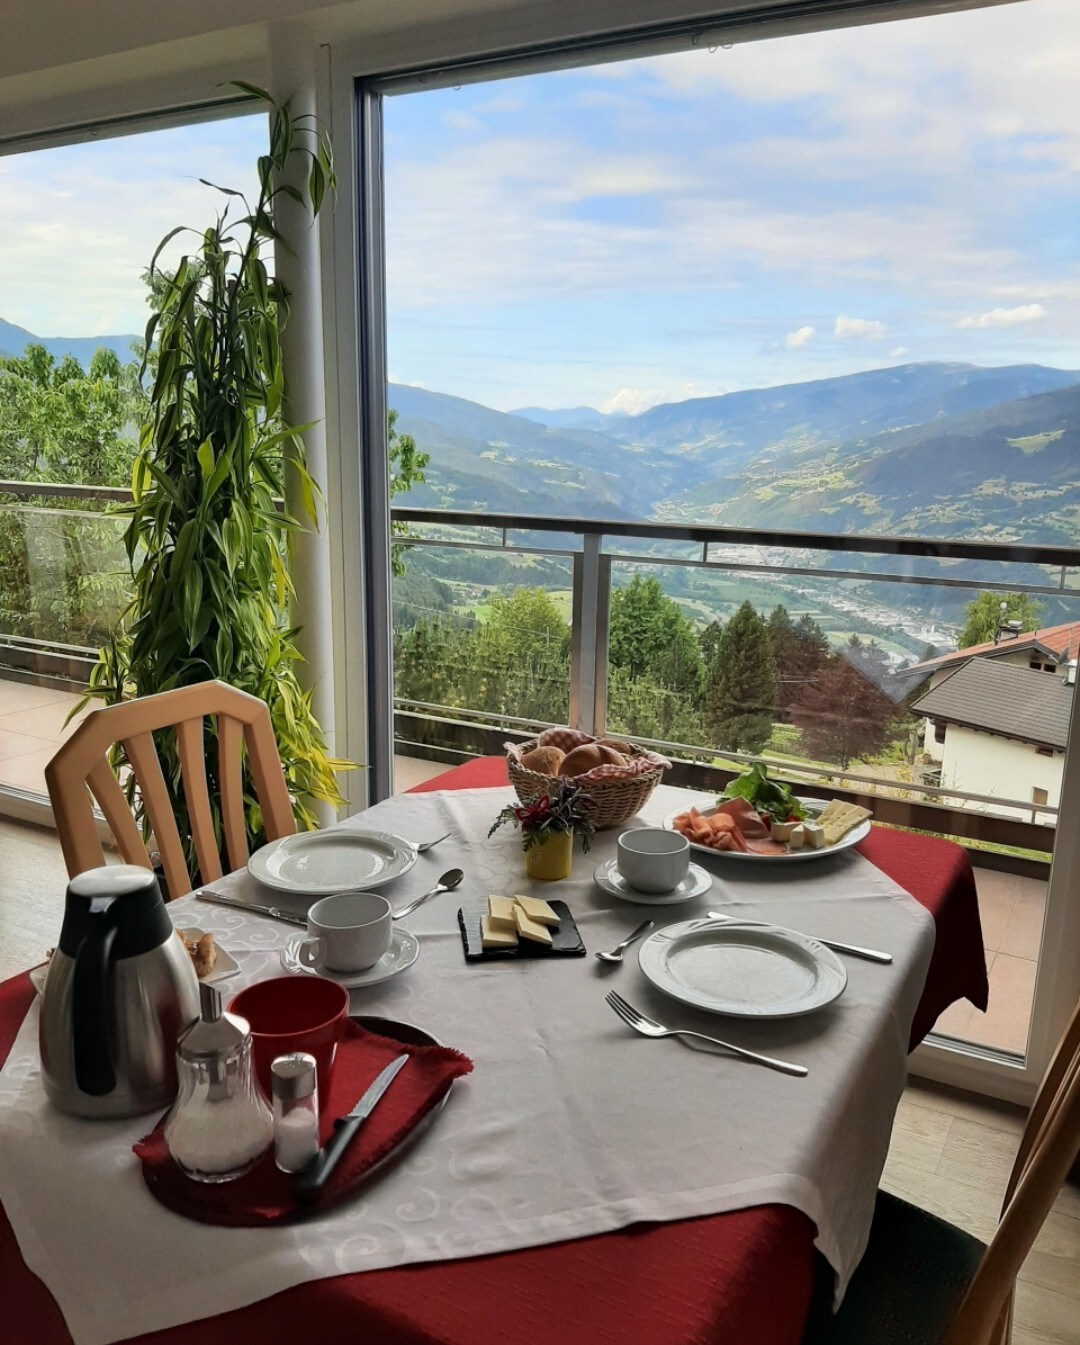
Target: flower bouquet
[{"x": 548, "y": 825}]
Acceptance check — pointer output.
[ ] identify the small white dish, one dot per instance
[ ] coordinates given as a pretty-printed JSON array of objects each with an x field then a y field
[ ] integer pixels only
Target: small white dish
[
  {"x": 402, "y": 953},
  {"x": 341, "y": 859},
  {"x": 608, "y": 878},
  {"x": 225, "y": 965},
  {"x": 743, "y": 971}
]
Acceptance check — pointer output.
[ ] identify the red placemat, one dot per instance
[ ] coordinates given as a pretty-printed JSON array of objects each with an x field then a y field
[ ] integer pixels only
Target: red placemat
[{"x": 264, "y": 1195}]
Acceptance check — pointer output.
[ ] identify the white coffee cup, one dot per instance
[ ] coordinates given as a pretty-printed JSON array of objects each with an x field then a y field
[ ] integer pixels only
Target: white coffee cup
[
  {"x": 651, "y": 859},
  {"x": 349, "y": 931}
]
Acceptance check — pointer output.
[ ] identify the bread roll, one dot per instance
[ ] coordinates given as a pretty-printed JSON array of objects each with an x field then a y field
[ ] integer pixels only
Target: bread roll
[
  {"x": 544, "y": 760},
  {"x": 588, "y": 757},
  {"x": 617, "y": 745}
]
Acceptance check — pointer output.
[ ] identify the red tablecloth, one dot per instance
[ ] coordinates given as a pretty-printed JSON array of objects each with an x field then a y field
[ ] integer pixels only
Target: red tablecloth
[{"x": 743, "y": 1278}]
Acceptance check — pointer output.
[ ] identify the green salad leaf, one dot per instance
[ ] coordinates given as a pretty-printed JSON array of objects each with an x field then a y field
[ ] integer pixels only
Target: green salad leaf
[{"x": 770, "y": 798}]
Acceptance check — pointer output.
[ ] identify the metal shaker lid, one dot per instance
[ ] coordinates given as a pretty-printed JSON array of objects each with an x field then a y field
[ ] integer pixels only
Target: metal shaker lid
[
  {"x": 293, "y": 1076},
  {"x": 216, "y": 1035}
]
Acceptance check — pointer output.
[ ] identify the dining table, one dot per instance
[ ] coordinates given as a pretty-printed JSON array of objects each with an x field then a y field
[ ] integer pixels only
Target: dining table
[{"x": 744, "y": 1275}]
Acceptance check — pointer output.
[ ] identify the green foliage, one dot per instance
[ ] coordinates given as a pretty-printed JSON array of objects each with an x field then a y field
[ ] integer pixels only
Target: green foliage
[
  {"x": 59, "y": 423},
  {"x": 984, "y": 616},
  {"x": 650, "y": 637},
  {"x": 407, "y": 465},
  {"x": 799, "y": 648},
  {"x": 741, "y": 695},
  {"x": 563, "y": 809},
  {"x": 206, "y": 540},
  {"x": 769, "y": 797}
]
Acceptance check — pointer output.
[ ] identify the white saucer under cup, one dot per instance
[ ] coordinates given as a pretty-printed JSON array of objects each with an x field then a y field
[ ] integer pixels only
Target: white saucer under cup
[{"x": 697, "y": 882}]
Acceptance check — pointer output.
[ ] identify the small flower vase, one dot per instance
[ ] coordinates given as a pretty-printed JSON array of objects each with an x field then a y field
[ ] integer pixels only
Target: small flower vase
[{"x": 552, "y": 859}]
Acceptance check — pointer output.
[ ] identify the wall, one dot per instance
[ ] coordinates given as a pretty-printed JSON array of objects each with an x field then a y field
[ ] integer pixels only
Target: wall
[{"x": 981, "y": 763}]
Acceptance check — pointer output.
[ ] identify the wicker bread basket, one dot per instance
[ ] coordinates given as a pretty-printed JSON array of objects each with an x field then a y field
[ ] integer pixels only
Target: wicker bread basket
[{"x": 610, "y": 802}]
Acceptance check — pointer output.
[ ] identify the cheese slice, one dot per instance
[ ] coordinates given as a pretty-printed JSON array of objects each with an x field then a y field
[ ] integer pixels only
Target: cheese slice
[
  {"x": 797, "y": 839},
  {"x": 530, "y": 929},
  {"x": 501, "y": 913},
  {"x": 781, "y": 831},
  {"x": 813, "y": 835},
  {"x": 538, "y": 910},
  {"x": 493, "y": 937}
]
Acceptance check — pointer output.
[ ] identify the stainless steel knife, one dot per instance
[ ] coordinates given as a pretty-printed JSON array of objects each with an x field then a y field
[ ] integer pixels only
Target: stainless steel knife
[
  {"x": 274, "y": 912},
  {"x": 310, "y": 1182},
  {"x": 871, "y": 954}
]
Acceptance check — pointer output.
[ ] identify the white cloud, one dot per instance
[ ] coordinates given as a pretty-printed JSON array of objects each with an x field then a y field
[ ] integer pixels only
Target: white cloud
[
  {"x": 795, "y": 340},
  {"x": 1004, "y": 317},
  {"x": 632, "y": 401},
  {"x": 847, "y": 329},
  {"x": 898, "y": 352}
]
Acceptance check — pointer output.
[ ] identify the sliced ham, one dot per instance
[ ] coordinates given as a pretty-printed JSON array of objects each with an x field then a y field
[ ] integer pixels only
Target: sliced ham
[{"x": 746, "y": 816}]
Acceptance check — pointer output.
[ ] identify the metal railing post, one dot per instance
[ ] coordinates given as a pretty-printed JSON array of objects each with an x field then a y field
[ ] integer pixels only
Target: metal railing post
[{"x": 589, "y": 636}]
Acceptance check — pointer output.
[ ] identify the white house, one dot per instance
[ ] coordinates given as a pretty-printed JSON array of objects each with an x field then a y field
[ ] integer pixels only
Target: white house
[{"x": 1001, "y": 730}]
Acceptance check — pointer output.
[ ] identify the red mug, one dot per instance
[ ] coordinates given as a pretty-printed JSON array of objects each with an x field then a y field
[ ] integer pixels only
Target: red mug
[{"x": 294, "y": 1013}]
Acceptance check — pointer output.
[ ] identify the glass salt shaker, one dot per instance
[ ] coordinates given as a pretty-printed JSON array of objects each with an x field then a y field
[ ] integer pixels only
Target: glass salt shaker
[
  {"x": 219, "y": 1126},
  {"x": 296, "y": 1110}
]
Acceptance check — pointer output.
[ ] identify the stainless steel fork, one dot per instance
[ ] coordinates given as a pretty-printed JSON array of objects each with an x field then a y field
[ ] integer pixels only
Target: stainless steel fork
[{"x": 649, "y": 1027}]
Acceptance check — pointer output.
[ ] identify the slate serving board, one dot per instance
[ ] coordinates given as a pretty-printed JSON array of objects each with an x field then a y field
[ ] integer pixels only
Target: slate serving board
[{"x": 565, "y": 941}]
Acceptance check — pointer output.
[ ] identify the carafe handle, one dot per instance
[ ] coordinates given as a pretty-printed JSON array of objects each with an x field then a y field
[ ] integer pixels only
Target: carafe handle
[{"x": 91, "y": 1035}]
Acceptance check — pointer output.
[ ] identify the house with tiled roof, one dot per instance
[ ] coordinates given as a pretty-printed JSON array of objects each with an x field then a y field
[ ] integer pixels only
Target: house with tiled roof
[
  {"x": 1046, "y": 650},
  {"x": 1000, "y": 730}
]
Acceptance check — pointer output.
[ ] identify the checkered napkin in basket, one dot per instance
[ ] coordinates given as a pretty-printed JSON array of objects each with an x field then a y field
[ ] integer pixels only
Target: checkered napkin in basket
[{"x": 567, "y": 739}]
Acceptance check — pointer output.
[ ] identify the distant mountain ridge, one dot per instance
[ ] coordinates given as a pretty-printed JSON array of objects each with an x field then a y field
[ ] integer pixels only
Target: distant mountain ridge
[{"x": 14, "y": 340}]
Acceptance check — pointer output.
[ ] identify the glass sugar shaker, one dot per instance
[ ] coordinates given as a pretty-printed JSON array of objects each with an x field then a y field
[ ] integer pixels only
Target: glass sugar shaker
[
  {"x": 220, "y": 1125},
  {"x": 296, "y": 1110}
]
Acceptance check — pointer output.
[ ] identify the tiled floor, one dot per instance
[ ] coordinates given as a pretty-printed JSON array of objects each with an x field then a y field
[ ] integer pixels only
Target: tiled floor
[{"x": 32, "y": 724}]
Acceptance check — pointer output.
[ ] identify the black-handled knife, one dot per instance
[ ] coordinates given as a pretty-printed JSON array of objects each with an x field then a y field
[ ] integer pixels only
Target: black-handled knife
[{"x": 310, "y": 1182}]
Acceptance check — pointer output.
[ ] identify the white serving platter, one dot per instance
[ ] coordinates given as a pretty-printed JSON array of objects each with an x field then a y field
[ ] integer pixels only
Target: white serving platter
[
  {"x": 318, "y": 863},
  {"x": 744, "y": 971},
  {"x": 812, "y": 806}
]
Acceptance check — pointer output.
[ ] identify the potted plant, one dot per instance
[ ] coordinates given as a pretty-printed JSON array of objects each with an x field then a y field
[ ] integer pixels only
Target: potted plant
[
  {"x": 548, "y": 825},
  {"x": 207, "y": 538}
]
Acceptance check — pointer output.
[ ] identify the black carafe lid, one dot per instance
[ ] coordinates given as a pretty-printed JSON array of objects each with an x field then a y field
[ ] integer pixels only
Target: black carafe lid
[{"x": 129, "y": 898}]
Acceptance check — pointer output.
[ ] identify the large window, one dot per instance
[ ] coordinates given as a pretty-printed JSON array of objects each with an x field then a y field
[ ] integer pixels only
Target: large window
[
  {"x": 822, "y": 283},
  {"x": 78, "y": 229}
]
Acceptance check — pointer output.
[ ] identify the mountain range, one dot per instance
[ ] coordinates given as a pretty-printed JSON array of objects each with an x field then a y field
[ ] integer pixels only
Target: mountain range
[
  {"x": 14, "y": 340},
  {"x": 933, "y": 449}
]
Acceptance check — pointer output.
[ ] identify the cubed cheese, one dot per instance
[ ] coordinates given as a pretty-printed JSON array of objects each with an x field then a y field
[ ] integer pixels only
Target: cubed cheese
[
  {"x": 797, "y": 839},
  {"x": 530, "y": 929},
  {"x": 814, "y": 835},
  {"x": 538, "y": 910},
  {"x": 781, "y": 831},
  {"x": 493, "y": 937},
  {"x": 501, "y": 912}
]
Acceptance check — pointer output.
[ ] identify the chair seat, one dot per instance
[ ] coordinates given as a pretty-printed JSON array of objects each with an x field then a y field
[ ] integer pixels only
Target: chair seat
[{"x": 908, "y": 1287}]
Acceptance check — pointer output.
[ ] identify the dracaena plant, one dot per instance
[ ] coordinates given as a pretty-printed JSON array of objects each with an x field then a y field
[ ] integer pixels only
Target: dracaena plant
[{"x": 207, "y": 538}]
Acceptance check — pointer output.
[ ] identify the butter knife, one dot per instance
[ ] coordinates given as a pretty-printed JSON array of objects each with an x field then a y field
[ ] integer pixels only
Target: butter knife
[
  {"x": 274, "y": 912},
  {"x": 310, "y": 1182},
  {"x": 871, "y": 954}
]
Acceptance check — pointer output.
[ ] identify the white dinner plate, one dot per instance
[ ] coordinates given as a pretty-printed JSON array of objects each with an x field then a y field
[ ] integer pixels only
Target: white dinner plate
[
  {"x": 812, "y": 806},
  {"x": 609, "y": 878},
  {"x": 402, "y": 953},
  {"x": 318, "y": 863},
  {"x": 746, "y": 971}
]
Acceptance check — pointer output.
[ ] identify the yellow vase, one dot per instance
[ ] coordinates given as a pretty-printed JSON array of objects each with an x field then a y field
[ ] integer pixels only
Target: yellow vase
[{"x": 552, "y": 859}]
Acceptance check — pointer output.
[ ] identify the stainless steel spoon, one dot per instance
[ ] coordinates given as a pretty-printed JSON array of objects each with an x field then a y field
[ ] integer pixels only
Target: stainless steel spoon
[
  {"x": 616, "y": 954},
  {"x": 451, "y": 878},
  {"x": 427, "y": 845}
]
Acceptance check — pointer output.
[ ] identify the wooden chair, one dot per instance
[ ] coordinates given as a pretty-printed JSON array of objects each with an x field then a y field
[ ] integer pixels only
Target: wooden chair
[
  {"x": 924, "y": 1282},
  {"x": 81, "y": 768}
]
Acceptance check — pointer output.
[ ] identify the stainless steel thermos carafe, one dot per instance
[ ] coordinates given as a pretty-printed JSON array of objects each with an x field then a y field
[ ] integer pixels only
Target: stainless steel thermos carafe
[{"x": 119, "y": 991}]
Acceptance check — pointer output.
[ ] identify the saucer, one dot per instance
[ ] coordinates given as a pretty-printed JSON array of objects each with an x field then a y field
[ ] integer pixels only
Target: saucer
[
  {"x": 609, "y": 878},
  {"x": 402, "y": 953}
]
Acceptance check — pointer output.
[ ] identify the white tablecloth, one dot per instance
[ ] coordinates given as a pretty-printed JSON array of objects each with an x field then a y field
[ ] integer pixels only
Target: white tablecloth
[{"x": 571, "y": 1124}]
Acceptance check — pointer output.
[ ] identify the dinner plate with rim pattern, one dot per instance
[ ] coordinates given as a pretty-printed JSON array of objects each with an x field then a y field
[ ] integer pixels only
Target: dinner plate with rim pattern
[
  {"x": 342, "y": 859},
  {"x": 742, "y": 970}
]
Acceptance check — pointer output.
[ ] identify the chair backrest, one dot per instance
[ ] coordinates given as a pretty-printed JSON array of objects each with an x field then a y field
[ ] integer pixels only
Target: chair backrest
[
  {"x": 1048, "y": 1149},
  {"x": 81, "y": 768}
]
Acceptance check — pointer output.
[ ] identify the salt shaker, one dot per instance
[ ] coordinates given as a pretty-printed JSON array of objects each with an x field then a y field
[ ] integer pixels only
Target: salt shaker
[
  {"x": 219, "y": 1126},
  {"x": 296, "y": 1110}
]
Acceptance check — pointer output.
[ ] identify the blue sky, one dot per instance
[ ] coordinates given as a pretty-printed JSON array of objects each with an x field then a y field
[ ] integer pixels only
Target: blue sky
[
  {"x": 783, "y": 210},
  {"x": 656, "y": 229}
]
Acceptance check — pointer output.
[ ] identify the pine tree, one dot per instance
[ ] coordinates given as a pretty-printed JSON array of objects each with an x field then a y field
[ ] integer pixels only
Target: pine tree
[
  {"x": 741, "y": 698},
  {"x": 843, "y": 714}
]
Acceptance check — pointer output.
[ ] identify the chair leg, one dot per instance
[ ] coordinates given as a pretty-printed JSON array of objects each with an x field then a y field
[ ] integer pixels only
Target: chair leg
[{"x": 1002, "y": 1332}]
